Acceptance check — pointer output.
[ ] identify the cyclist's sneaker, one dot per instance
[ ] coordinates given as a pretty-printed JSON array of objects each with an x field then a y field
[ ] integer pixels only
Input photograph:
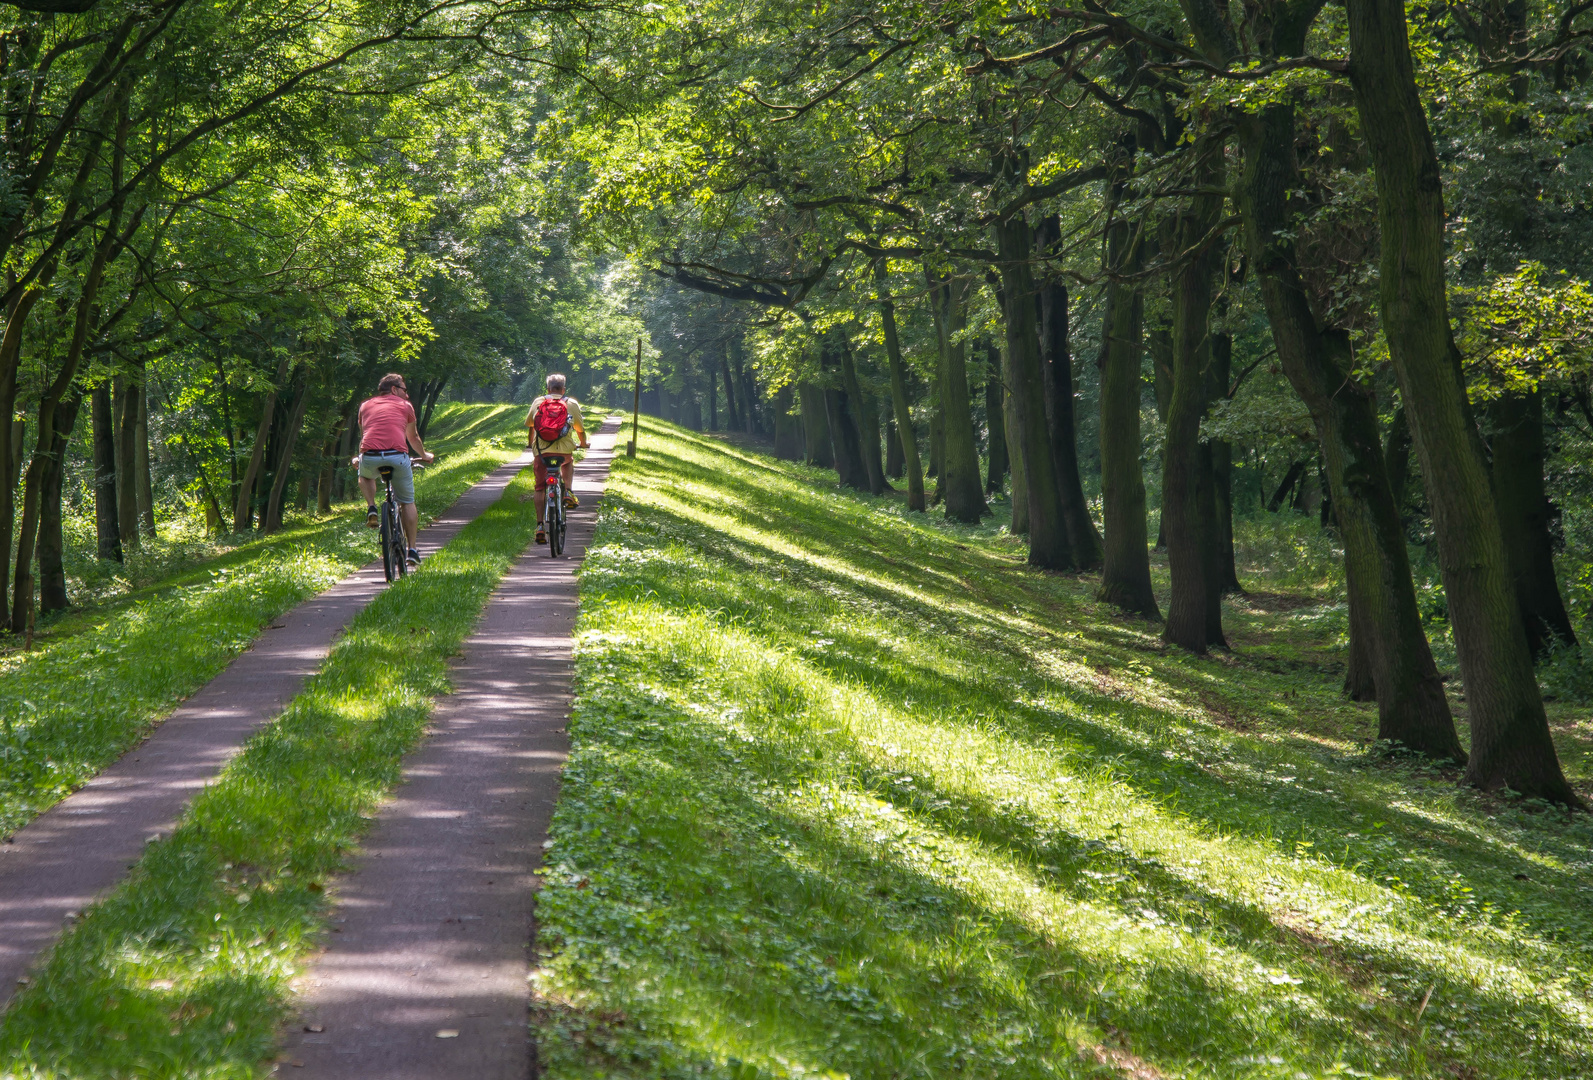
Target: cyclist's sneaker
[
  {"x": 372, "y": 518},
  {"x": 542, "y": 536},
  {"x": 571, "y": 502},
  {"x": 414, "y": 557}
]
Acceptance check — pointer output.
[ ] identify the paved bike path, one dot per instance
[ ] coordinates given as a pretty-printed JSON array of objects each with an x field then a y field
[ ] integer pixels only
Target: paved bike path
[
  {"x": 425, "y": 974},
  {"x": 77, "y": 850}
]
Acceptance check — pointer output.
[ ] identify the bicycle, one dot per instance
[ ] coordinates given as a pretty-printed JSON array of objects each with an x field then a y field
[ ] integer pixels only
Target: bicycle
[
  {"x": 395, "y": 548},
  {"x": 553, "y": 522}
]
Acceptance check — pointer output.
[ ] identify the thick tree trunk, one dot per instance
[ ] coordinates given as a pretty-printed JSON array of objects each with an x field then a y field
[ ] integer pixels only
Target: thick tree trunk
[
  {"x": 143, "y": 484},
  {"x": 1387, "y": 642},
  {"x": 895, "y": 461},
  {"x": 996, "y": 422},
  {"x": 1020, "y": 480},
  {"x": 1360, "y": 678},
  {"x": 1510, "y": 742},
  {"x": 1048, "y": 539},
  {"x": 290, "y": 439},
  {"x": 1396, "y": 458},
  {"x": 937, "y": 443},
  {"x": 815, "y": 427},
  {"x": 1125, "y": 570},
  {"x": 901, "y": 406},
  {"x": 1056, "y": 365},
  {"x": 1194, "y": 612},
  {"x": 959, "y": 476},
  {"x": 1515, "y": 424},
  {"x": 866, "y": 417},
  {"x": 107, "y": 523},
  {"x": 52, "y": 544}
]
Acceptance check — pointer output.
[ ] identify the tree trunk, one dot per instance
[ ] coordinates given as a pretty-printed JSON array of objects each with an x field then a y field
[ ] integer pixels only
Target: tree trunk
[
  {"x": 1510, "y": 742},
  {"x": 1396, "y": 458},
  {"x": 901, "y": 406},
  {"x": 323, "y": 481},
  {"x": 996, "y": 422},
  {"x": 959, "y": 476},
  {"x": 846, "y": 443},
  {"x": 732, "y": 409},
  {"x": 52, "y": 546},
  {"x": 1360, "y": 678},
  {"x": 125, "y": 402},
  {"x": 1048, "y": 540},
  {"x": 1056, "y": 365},
  {"x": 1387, "y": 640},
  {"x": 1222, "y": 468},
  {"x": 242, "y": 514},
  {"x": 107, "y": 523},
  {"x": 937, "y": 443},
  {"x": 1188, "y": 501},
  {"x": 50, "y": 404},
  {"x": 787, "y": 428},
  {"x": 432, "y": 394},
  {"x": 12, "y": 431},
  {"x": 1516, "y": 438},
  {"x": 142, "y": 480},
  {"x": 815, "y": 427},
  {"x": 866, "y": 416},
  {"x": 290, "y": 439},
  {"x": 895, "y": 463},
  {"x": 1290, "y": 480},
  {"x": 1125, "y": 570}
]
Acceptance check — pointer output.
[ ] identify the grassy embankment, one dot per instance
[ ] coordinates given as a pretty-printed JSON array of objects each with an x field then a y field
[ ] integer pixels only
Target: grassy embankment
[
  {"x": 100, "y": 678},
  {"x": 857, "y": 793},
  {"x": 183, "y": 971}
]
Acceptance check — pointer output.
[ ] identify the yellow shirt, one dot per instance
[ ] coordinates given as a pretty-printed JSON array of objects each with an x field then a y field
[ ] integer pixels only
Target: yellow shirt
[{"x": 567, "y": 444}]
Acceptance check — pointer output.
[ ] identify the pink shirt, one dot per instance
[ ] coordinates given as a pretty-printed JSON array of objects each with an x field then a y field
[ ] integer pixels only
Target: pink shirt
[{"x": 384, "y": 423}]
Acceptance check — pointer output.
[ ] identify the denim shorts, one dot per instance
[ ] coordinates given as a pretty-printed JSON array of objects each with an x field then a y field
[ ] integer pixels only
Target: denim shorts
[{"x": 403, "y": 474}]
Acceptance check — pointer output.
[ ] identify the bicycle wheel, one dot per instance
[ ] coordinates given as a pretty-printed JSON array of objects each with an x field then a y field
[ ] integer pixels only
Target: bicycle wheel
[
  {"x": 563, "y": 521},
  {"x": 555, "y": 523},
  {"x": 388, "y": 523}
]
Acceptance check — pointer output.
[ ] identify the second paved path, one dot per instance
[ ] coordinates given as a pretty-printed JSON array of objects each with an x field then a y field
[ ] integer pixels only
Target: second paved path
[{"x": 72, "y": 853}]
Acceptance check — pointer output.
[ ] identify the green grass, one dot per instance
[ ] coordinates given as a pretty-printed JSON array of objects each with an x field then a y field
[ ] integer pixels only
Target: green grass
[
  {"x": 183, "y": 971},
  {"x": 99, "y": 679},
  {"x": 858, "y": 793}
]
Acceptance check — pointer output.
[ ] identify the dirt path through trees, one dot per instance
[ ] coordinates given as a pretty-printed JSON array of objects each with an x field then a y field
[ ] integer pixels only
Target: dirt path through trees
[
  {"x": 77, "y": 850},
  {"x": 425, "y": 974}
]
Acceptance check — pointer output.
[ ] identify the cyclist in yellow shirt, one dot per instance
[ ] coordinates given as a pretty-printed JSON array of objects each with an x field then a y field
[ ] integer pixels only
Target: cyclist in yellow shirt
[{"x": 552, "y": 426}]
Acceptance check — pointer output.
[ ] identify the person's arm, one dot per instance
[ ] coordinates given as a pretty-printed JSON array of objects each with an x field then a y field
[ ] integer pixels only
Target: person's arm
[
  {"x": 580, "y": 433},
  {"x": 412, "y": 433}
]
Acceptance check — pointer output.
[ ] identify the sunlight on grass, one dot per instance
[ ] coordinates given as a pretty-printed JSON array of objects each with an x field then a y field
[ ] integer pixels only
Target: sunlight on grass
[{"x": 857, "y": 794}]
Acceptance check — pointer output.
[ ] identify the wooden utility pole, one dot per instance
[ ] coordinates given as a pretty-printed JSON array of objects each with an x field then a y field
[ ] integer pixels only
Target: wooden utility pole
[{"x": 636, "y": 401}]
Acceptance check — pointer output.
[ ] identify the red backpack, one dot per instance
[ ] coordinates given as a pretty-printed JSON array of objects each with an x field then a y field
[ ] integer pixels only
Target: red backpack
[{"x": 552, "y": 420}]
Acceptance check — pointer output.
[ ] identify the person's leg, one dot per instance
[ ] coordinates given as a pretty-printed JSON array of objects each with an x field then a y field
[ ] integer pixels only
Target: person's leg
[
  {"x": 410, "y": 516},
  {"x": 368, "y": 489},
  {"x": 539, "y": 472}
]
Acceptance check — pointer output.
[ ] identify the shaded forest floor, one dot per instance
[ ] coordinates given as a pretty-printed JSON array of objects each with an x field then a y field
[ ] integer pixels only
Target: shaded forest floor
[
  {"x": 858, "y": 793},
  {"x": 101, "y": 674}
]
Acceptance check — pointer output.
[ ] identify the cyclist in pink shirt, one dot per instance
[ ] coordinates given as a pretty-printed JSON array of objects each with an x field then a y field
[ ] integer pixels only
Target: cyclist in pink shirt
[{"x": 387, "y": 431}]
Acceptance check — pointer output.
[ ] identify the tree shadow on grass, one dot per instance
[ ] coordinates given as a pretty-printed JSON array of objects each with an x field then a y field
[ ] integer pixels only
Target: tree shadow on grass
[{"x": 1456, "y": 849}]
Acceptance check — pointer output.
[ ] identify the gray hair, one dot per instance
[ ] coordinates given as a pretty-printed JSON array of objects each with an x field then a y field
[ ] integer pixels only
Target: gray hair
[{"x": 555, "y": 384}]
